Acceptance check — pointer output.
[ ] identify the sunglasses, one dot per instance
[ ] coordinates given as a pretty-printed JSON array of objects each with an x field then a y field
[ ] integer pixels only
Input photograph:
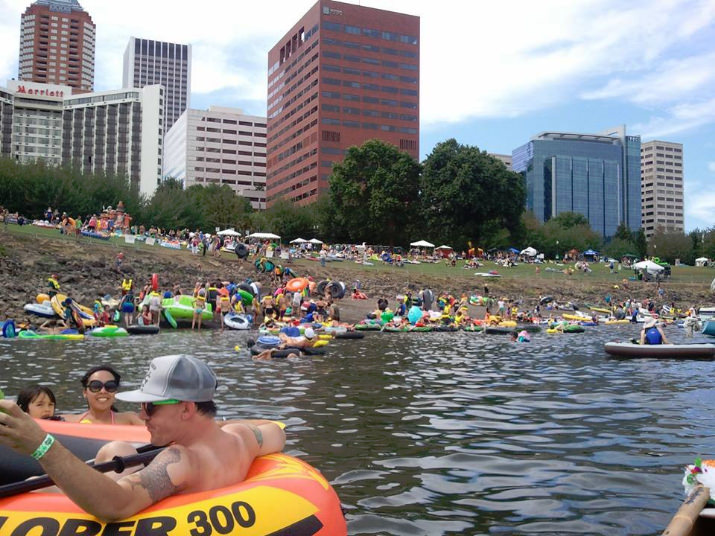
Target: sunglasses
[
  {"x": 151, "y": 407},
  {"x": 96, "y": 386}
]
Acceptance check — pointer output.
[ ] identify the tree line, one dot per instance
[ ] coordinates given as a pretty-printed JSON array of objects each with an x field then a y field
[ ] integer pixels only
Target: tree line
[{"x": 459, "y": 195}]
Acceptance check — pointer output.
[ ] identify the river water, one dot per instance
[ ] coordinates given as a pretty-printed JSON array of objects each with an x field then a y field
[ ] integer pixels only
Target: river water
[{"x": 449, "y": 433}]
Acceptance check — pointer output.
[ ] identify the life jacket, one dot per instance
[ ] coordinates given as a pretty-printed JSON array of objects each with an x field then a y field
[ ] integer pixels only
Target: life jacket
[
  {"x": 127, "y": 284},
  {"x": 53, "y": 283},
  {"x": 652, "y": 336}
]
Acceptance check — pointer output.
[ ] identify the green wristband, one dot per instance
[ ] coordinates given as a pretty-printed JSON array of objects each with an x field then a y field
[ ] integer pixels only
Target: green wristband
[{"x": 44, "y": 447}]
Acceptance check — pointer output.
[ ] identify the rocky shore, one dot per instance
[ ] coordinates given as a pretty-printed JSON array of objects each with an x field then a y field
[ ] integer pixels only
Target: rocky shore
[{"x": 87, "y": 268}]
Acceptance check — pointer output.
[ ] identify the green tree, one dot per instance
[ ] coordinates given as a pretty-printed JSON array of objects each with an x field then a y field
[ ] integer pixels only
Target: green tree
[
  {"x": 623, "y": 232},
  {"x": 669, "y": 246},
  {"x": 467, "y": 194},
  {"x": 374, "y": 192},
  {"x": 567, "y": 220},
  {"x": 641, "y": 244},
  {"x": 286, "y": 219}
]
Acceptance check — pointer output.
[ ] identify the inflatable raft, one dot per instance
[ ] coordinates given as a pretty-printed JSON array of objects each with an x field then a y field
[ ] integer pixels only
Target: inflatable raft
[
  {"x": 280, "y": 495},
  {"x": 184, "y": 308},
  {"x": 673, "y": 351}
]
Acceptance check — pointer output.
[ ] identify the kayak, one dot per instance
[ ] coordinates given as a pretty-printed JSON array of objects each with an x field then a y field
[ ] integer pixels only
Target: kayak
[
  {"x": 674, "y": 351},
  {"x": 280, "y": 495}
]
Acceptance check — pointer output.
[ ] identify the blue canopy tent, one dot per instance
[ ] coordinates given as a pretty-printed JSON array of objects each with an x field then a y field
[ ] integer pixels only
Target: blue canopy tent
[
  {"x": 590, "y": 253},
  {"x": 513, "y": 250}
]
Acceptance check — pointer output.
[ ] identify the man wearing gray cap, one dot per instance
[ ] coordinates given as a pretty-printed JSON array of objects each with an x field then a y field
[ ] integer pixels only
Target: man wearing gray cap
[{"x": 177, "y": 405}]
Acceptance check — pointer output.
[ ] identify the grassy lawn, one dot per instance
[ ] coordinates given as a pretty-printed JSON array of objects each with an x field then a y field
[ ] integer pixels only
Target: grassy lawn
[{"x": 525, "y": 272}]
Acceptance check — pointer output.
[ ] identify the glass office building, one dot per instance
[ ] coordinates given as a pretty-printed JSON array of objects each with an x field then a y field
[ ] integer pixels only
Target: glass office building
[{"x": 597, "y": 175}]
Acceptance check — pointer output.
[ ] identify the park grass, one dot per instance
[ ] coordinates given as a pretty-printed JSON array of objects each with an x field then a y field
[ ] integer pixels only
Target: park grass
[{"x": 548, "y": 272}]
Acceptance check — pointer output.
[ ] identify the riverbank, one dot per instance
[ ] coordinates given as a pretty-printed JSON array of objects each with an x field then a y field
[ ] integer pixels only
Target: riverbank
[{"x": 87, "y": 268}]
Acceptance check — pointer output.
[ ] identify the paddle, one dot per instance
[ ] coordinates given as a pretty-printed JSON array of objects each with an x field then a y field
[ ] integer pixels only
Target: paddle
[{"x": 144, "y": 454}]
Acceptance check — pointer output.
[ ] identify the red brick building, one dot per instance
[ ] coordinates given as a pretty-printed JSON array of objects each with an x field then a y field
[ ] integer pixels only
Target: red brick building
[
  {"x": 57, "y": 44},
  {"x": 342, "y": 75}
]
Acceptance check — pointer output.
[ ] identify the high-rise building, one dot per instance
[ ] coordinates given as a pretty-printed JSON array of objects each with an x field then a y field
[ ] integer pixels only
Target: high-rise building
[
  {"x": 662, "y": 187},
  {"x": 597, "y": 175},
  {"x": 148, "y": 62},
  {"x": 115, "y": 132},
  {"x": 342, "y": 75},
  {"x": 219, "y": 146},
  {"x": 57, "y": 41}
]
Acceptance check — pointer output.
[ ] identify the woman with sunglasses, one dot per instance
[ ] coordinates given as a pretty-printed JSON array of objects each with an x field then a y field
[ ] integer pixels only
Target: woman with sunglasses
[{"x": 99, "y": 386}]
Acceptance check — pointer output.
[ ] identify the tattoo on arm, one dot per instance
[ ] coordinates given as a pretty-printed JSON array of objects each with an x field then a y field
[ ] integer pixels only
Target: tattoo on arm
[
  {"x": 155, "y": 477},
  {"x": 257, "y": 432}
]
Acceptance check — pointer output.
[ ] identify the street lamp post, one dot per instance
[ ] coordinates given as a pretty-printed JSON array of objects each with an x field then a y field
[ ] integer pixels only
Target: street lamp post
[{"x": 557, "y": 250}]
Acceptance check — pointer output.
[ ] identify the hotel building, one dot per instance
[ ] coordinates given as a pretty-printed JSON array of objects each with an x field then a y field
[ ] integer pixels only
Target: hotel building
[
  {"x": 114, "y": 132},
  {"x": 343, "y": 74},
  {"x": 57, "y": 42},
  {"x": 148, "y": 62},
  {"x": 597, "y": 175},
  {"x": 219, "y": 146},
  {"x": 662, "y": 187}
]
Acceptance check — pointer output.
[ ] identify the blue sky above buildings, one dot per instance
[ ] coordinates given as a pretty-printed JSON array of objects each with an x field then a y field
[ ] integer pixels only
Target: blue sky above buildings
[{"x": 493, "y": 74}]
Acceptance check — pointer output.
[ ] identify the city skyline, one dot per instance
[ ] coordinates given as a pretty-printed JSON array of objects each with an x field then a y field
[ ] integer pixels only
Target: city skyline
[{"x": 492, "y": 74}]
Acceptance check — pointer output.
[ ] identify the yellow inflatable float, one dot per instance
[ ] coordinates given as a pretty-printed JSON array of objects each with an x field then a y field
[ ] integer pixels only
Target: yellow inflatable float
[{"x": 280, "y": 495}]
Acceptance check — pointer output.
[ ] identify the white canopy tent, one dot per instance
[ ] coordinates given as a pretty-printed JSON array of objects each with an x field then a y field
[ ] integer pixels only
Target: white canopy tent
[
  {"x": 648, "y": 266},
  {"x": 315, "y": 241},
  {"x": 444, "y": 247},
  {"x": 229, "y": 232},
  {"x": 422, "y": 244},
  {"x": 700, "y": 261},
  {"x": 298, "y": 241},
  {"x": 267, "y": 236},
  {"x": 528, "y": 251}
]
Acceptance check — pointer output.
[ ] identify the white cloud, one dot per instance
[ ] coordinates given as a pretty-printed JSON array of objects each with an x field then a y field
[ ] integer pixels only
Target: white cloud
[
  {"x": 711, "y": 166},
  {"x": 677, "y": 119}
]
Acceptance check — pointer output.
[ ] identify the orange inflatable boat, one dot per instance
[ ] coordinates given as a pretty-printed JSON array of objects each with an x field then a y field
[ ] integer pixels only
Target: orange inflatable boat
[{"x": 281, "y": 495}]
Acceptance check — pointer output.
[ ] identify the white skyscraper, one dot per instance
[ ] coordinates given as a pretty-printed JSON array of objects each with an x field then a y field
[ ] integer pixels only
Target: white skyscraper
[
  {"x": 662, "y": 186},
  {"x": 148, "y": 62}
]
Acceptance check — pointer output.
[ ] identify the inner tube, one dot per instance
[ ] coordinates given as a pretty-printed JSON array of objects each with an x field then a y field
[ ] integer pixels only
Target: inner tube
[
  {"x": 546, "y": 299},
  {"x": 321, "y": 287},
  {"x": 297, "y": 284},
  {"x": 337, "y": 289},
  {"x": 8, "y": 329},
  {"x": 241, "y": 250},
  {"x": 155, "y": 282},
  {"x": 269, "y": 340},
  {"x": 246, "y": 297},
  {"x": 137, "y": 329},
  {"x": 350, "y": 335}
]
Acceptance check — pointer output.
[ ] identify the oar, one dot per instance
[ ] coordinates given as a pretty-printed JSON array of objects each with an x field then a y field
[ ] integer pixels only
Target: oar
[
  {"x": 685, "y": 518},
  {"x": 117, "y": 464}
]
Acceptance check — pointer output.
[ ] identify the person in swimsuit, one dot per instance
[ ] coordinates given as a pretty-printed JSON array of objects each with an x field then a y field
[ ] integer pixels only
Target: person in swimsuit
[
  {"x": 199, "y": 306},
  {"x": 99, "y": 385}
]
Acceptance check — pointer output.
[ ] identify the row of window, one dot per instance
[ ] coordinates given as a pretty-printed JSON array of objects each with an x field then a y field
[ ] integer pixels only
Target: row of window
[
  {"x": 369, "y": 113},
  {"x": 370, "y": 74},
  {"x": 369, "y": 32},
  {"x": 371, "y": 126},
  {"x": 370, "y": 61},
  {"x": 229, "y": 161},
  {"x": 369, "y": 87},
  {"x": 369, "y": 48}
]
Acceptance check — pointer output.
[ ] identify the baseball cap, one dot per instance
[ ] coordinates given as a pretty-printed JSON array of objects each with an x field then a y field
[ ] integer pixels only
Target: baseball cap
[
  {"x": 309, "y": 333},
  {"x": 180, "y": 377}
]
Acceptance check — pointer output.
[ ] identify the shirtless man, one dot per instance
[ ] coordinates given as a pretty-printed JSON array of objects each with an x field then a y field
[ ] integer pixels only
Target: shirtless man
[
  {"x": 177, "y": 406},
  {"x": 304, "y": 341}
]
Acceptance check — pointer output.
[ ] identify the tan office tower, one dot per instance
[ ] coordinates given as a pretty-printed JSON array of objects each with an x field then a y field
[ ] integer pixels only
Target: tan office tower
[
  {"x": 57, "y": 41},
  {"x": 342, "y": 75},
  {"x": 662, "y": 187}
]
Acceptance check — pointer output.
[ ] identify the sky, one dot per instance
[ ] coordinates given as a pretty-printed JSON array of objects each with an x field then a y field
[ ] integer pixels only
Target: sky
[{"x": 493, "y": 74}]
